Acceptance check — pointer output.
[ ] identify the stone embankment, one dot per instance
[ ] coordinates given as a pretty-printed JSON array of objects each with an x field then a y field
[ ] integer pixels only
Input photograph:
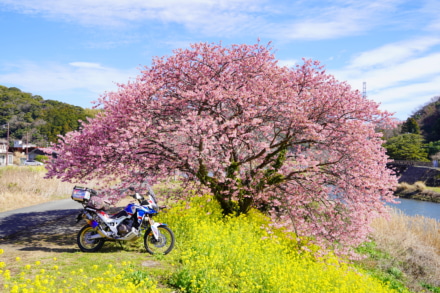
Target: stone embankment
[{"x": 429, "y": 175}]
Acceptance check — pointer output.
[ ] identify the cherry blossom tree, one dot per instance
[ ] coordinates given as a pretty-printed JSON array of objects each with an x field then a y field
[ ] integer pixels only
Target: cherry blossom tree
[{"x": 293, "y": 142}]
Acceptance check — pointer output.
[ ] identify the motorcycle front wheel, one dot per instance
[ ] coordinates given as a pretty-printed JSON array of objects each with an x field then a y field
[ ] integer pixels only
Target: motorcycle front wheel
[
  {"x": 85, "y": 243},
  {"x": 163, "y": 245}
]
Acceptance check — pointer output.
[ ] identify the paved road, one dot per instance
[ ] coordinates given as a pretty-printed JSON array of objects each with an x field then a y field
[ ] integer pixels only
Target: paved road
[{"x": 30, "y": 218}]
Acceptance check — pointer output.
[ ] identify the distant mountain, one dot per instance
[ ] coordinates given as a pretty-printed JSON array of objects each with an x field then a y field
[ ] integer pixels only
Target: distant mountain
[{"x": 33, "y": 119}]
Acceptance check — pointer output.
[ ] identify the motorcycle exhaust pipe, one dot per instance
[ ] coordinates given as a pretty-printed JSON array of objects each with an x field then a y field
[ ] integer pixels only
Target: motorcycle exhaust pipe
[{"x": 101, "y": 234}]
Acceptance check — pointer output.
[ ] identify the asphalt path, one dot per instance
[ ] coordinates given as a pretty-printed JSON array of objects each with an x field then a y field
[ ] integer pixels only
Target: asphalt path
[{"x": 32, "y": 217}]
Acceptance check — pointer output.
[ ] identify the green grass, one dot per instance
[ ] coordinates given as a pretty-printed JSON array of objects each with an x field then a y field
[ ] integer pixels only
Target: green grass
[
  {"x": 435, "y": 189},
  {"x": 431, "y": 288},
  {"x": 120, "y": 271},
  {"x": 392, "y": 276}
]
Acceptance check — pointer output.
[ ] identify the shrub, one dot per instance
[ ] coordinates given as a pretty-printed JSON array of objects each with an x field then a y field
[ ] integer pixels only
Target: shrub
[
  {"x": 41, "y": 158},
  {"x": 420, "y": 186},
  {"x": 403, "y": 187}
]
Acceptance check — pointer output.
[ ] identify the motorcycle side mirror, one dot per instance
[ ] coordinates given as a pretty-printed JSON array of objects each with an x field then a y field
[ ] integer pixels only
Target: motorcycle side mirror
[
  {"x": 131, "y": 188},
  {"x": 138, "y": 196}
]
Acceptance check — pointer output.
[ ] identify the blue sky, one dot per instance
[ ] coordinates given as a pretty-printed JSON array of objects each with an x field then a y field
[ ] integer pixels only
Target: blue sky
[{"x": 74, "y": 51}]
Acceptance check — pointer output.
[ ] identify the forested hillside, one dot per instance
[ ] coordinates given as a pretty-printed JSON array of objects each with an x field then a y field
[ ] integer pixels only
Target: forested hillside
[
  {"x": 418, "y": 138},
  {"x": 33, "y": 119},
  {"x": 428, "y": 119}
]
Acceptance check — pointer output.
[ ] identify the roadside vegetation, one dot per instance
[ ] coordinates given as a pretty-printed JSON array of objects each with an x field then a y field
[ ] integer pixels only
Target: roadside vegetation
[
  {"x": 233, "y": 254},
  {"x": 23, "y": 186}
]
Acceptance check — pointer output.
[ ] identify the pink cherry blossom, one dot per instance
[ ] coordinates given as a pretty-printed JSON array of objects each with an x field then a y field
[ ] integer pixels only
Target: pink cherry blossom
[{"x": 293, "y": 142}]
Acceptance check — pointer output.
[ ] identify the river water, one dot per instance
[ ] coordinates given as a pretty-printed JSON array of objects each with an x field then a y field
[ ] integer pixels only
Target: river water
[{"x": 412, "y": 207}]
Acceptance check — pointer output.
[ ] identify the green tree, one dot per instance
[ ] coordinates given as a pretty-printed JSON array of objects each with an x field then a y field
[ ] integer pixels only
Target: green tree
[
  {"x": 410, "y": 126},
  {"x": 35, "y": 120},
  {"x": 433, "y": 148},
  {"x": 61, "y": 119},
  {"x": 41, "y": 158},
  {"x": 407, "y": 146},
  {"x": 92, "y": 112}
]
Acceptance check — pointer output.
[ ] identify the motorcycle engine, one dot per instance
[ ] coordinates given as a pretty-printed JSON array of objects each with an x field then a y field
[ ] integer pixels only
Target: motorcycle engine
[{"x": 125, "y": 227}]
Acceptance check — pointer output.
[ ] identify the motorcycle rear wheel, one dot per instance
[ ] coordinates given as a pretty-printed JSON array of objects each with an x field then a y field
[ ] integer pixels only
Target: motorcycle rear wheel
[
  {"x": 162, "y": 246},
  {"x": 86, "y": 244}
]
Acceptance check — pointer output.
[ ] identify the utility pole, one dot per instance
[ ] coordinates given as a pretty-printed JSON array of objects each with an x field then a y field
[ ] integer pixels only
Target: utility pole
[
  {"x": 7, "y": 146},
  {"x": 7, "y": 142},
  {"x": 27, "y": 145}
]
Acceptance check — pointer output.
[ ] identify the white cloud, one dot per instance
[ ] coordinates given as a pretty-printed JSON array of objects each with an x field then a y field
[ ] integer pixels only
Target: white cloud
[
  {"x": 46, "y": 78},
  {"x": 273, "y": 19},
  {"x": 401, "y": 76},
  {"x": 310, "y": 30},
  {"x": 391, "y": 53},
  {"x": 432, "y": 8},
  {"x": 410, "y": 71},
  {"x": 86, "y": 65},
  {"x": 394, "y": 72},
  {"x": 288, "y": 62},
  {"x": 390, "y": 72},
  {"x": 407, "y": 99},
  {"x": 332, "y": 19},
  {"x": 121, "y": 12}
]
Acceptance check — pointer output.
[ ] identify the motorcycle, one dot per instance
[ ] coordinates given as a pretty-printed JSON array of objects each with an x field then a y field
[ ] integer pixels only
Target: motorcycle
[{"x": 125, "y": 225}]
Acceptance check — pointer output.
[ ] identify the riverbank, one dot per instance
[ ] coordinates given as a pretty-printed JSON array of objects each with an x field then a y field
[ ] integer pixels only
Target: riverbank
[{"x": 418, "y": 191}]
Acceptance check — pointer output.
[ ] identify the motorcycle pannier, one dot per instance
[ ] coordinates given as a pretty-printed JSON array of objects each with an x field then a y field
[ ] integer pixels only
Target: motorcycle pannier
[{"x": 82, "y": 194}]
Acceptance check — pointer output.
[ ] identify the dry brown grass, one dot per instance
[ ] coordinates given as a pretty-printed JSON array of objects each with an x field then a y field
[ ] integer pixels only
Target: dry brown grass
[
  {"x": 413, "y": 244},
  {"x": 418, "y": 191},
  {"x": 418, "y": 186},
  {"x": 22, "y": 186}
]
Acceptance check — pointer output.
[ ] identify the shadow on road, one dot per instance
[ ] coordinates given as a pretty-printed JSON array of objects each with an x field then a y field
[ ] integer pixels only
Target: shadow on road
[
  {"x": 36, "y": 222},
  {"x": 51, "y": 230}
]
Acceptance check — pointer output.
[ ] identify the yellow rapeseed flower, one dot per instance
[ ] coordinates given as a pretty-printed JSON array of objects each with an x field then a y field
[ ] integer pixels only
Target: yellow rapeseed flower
[{"x": 7, "y": 274}]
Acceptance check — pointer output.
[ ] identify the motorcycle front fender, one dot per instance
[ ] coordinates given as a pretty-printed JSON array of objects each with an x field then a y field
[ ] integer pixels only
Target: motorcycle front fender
[{"x": 155, "y": 230}]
